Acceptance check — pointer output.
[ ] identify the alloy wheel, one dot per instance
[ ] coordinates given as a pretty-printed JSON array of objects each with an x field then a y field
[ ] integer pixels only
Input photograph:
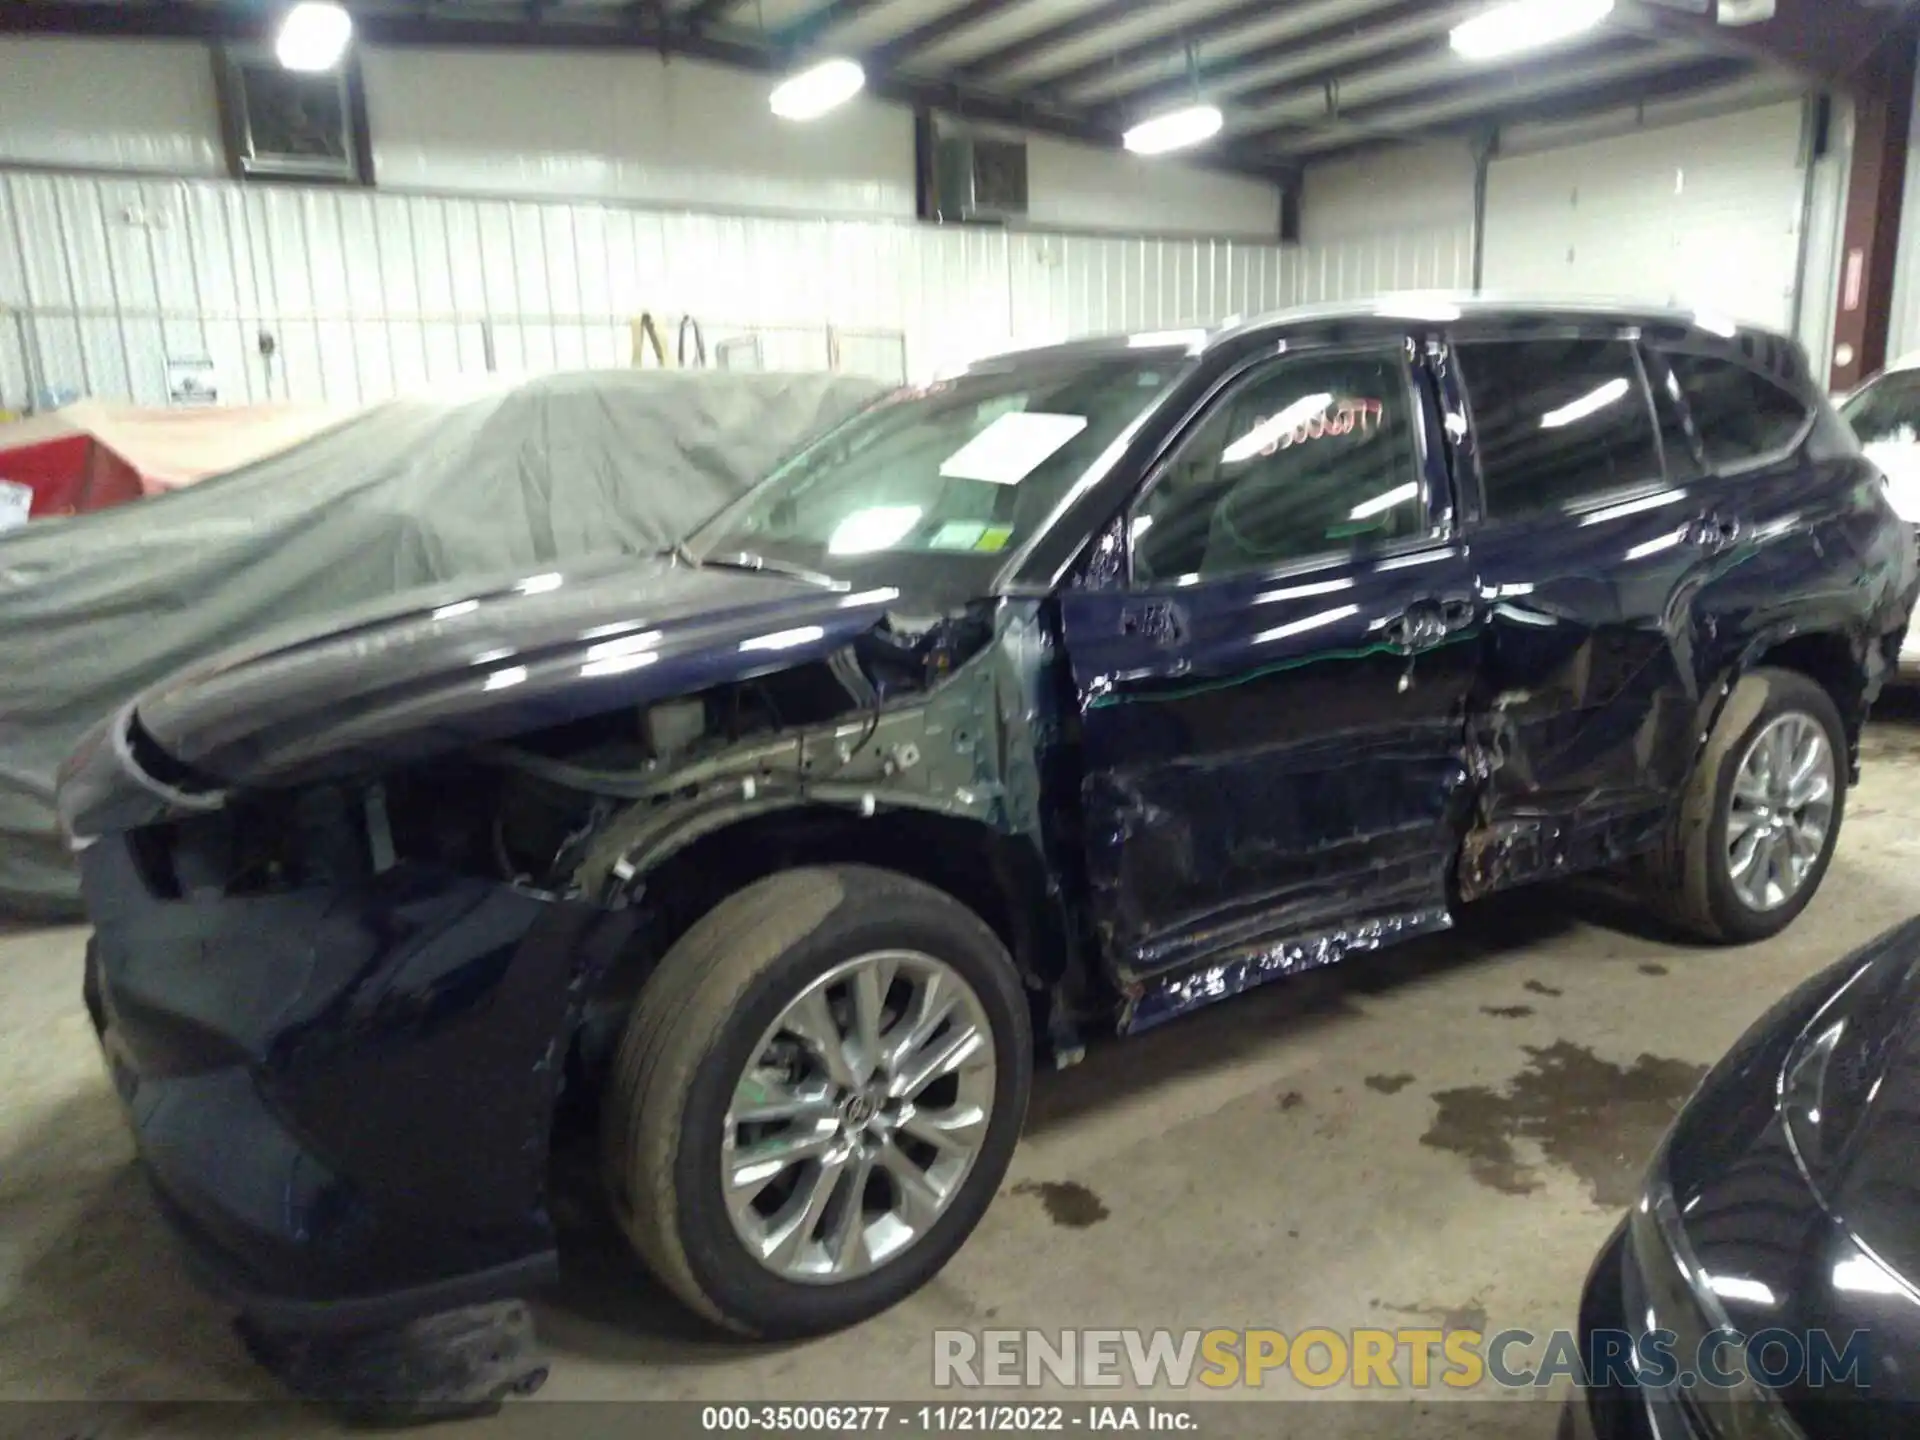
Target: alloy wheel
[
  {"x": 858, "y": 1117},
  {"x": 1781, "y": 812}
]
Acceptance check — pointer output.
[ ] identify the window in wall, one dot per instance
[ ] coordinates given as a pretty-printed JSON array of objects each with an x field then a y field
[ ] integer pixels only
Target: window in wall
[
  {"x": 1557, "y": 421},
  {"x": 1307, "y": 457},
  {"x": 1739, "y": 413}
]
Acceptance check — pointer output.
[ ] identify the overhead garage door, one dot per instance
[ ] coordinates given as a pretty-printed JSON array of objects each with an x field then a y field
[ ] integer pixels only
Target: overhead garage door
[{"x": 1704, "y": 214}]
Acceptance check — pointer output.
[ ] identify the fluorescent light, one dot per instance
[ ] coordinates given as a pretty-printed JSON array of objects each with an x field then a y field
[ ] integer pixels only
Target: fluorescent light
[
  {"x": 1412, "y": 307},
  {"x": 1300, "y": 592},
  {"x": 1860, "y": 1276},
  {"x": 1654, "y": 547},
  {"x": 785, "y": 639},
  {"x": 1175, "y": 130},
  {"x": 1587, "y": 406},
  {"x": 874, "y": 528},
  {"x": 1269, "y": 433},
  {"x": 818, "y": 89},
  {"x": 1526, "y": 25},
  {"x": 540, "y": 584},
  {"x": 617, "y": 664},
  {"x": 1657, "y": 501},
  {"x": 1011, "y": 448},
  {"x": 1738, "y": 1287},
  {"x": 1192, "y": 341},
  {"x": 313, "y": 36},
  {"x": 502, "y": 679},
  {"x": 1380, "y": 504},
  {"x": 1312, "y": 622},
  {"x": 627, "y": 645}
]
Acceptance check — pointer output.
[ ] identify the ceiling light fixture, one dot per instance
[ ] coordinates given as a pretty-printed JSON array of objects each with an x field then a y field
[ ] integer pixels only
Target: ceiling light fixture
[
  {"x": 817, "y": 89},
  {"x": 1526, "y": 25},
  {"x": 1175, "y": 130},
  {"x": 313, "y": 36}
]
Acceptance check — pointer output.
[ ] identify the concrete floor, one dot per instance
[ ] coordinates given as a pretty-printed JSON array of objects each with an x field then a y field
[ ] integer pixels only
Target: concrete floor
[{"x": 1440, "y": 1135}]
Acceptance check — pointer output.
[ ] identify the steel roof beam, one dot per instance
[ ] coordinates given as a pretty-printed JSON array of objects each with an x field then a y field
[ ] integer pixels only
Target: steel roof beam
[
  {"x": 931, "y": 32},
  {"x": 1380, "y": 31}
]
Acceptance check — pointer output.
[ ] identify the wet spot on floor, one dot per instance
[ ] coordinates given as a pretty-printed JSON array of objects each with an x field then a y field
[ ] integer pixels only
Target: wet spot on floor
[
  {"x": 1291, "y": 1100},
  {"x": 1650, "y": 968},
  {"x": 1389, "y": 1084},
  {"x": 1068, "y": 1202},
  {"x": 1537, "y": 988},
  {"x": 1507, "y": 1012},
  {"x": 1593, "y": 1117},
  {"x": 1469, "y": 1315},
  {"x": 1293, "y": 1234}
]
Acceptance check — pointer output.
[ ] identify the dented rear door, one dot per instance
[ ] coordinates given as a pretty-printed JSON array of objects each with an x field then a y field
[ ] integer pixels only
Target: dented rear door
[
  {"x": 1590, "y": 553},
  {"x": 1274, "y": 702}
]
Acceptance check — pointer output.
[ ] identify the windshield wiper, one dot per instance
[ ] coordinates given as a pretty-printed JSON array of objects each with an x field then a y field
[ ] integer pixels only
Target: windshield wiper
[
  {"x": 747, "y": 560},
  {"x": 685, "y": 556}
]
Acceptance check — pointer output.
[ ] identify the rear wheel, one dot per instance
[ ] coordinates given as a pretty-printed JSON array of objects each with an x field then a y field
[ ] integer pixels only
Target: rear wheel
[
  {"x": 1762, "y": 813},
  {"x": 816, "y": 1098}
]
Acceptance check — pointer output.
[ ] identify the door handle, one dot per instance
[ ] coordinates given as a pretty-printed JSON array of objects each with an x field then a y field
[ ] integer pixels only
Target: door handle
[
  {"x": 1713, "y": 533},
  {"x": 1159, "y": 621},
  {"x": 1428, "y": 621}
]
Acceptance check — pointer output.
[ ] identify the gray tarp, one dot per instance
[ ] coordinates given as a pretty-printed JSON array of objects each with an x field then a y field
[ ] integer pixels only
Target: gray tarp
[{"x": 95, "y": 608}]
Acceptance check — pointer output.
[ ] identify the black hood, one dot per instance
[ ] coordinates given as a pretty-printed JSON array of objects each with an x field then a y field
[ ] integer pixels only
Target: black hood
[
  {"x": 424, "y": 672},
  {"x": 1796, "y": 1177},
  {"x": 1850, "y": 1099}
]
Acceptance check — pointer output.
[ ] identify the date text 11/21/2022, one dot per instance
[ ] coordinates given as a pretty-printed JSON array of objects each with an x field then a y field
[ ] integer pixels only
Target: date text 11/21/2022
[{"x": 944, "y": 1419}]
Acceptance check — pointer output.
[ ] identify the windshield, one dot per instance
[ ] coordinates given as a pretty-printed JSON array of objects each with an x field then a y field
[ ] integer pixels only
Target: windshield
[
  {"x": 964, "y": 469},
  {"x": 1887, "y": 410}
]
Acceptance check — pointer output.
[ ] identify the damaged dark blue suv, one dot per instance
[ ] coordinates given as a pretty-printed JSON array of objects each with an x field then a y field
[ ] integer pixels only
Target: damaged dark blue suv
[{"x": 1079, "y": 689}]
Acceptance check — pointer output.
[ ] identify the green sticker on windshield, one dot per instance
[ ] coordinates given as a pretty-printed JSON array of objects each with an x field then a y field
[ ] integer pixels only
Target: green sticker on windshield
[
  {"x": 994, "y": 537},
  {"x": 957, "y": 535}
]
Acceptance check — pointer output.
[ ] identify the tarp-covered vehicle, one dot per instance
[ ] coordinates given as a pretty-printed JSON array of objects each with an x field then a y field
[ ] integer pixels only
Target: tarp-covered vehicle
[{"x": 502, "y": 476}]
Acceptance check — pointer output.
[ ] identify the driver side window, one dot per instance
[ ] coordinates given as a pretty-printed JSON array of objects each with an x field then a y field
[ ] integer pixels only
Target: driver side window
[{"x": 1305, "y": 457}]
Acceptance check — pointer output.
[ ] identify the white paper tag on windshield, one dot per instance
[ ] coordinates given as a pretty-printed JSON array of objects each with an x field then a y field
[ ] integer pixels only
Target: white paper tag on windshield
[{"x": 1012, "y": 447}]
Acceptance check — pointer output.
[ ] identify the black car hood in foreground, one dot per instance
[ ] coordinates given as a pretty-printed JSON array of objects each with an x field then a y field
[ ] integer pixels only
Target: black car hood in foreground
[
  {"x": 1796, "y": 1171},
  {"x": 427, "y": 671}
]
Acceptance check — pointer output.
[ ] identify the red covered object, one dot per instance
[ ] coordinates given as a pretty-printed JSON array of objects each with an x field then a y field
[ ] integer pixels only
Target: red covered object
[{"x": 92, "y": 455}]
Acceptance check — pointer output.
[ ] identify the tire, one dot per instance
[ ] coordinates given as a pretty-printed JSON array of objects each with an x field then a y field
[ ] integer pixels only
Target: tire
[
  {"x": 705, "y": 1015},
  {"x": 1690, "y": 878}
]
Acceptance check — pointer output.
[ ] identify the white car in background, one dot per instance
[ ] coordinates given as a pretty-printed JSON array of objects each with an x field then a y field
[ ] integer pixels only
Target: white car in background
[{"x": 1885, "y": 414}]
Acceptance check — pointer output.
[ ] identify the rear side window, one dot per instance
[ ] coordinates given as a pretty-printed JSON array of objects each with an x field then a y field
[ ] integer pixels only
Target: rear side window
[
  {"x": 1887, "y": 410},
  {"x": 1739, "y": 414},
  {"x": 1557, "y": 421}
]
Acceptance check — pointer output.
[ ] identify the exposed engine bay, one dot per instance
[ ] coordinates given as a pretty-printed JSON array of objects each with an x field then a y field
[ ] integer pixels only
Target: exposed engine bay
[{"x": 579, "y": 810}]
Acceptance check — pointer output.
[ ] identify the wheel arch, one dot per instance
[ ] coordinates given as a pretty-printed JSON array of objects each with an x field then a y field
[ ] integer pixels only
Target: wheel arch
[
  {"x": 1840, "y": 662},
  {"x": 1003, "y": 878}
]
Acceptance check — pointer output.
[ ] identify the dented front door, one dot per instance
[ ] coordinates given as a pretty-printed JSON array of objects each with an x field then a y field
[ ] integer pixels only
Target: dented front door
[{"x": 1273, "y": 703}]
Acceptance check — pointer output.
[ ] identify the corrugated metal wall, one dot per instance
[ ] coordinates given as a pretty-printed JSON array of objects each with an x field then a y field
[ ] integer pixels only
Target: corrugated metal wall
[
  {"x": 365, "y": 293},
  {"x": 1903, "y": 337}
]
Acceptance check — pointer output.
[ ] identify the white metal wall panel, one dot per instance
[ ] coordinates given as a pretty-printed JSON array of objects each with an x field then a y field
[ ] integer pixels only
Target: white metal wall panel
[
  {"x": 78, "y": 103},
  {"x": 1704, "y": 214},
  {"x": 1078, "y": 187},
  {"x": 1420, "y": 188},
  {"x": 1826, "y": 220},
  {"x": 368, "y": 293},
  {"x": 1904, "y": 333}
]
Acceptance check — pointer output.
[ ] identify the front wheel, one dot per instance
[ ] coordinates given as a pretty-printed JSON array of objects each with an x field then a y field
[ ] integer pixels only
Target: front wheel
[
  {"x": 1762, "y": 814},
  {"x": 816, "y": 1097}
]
